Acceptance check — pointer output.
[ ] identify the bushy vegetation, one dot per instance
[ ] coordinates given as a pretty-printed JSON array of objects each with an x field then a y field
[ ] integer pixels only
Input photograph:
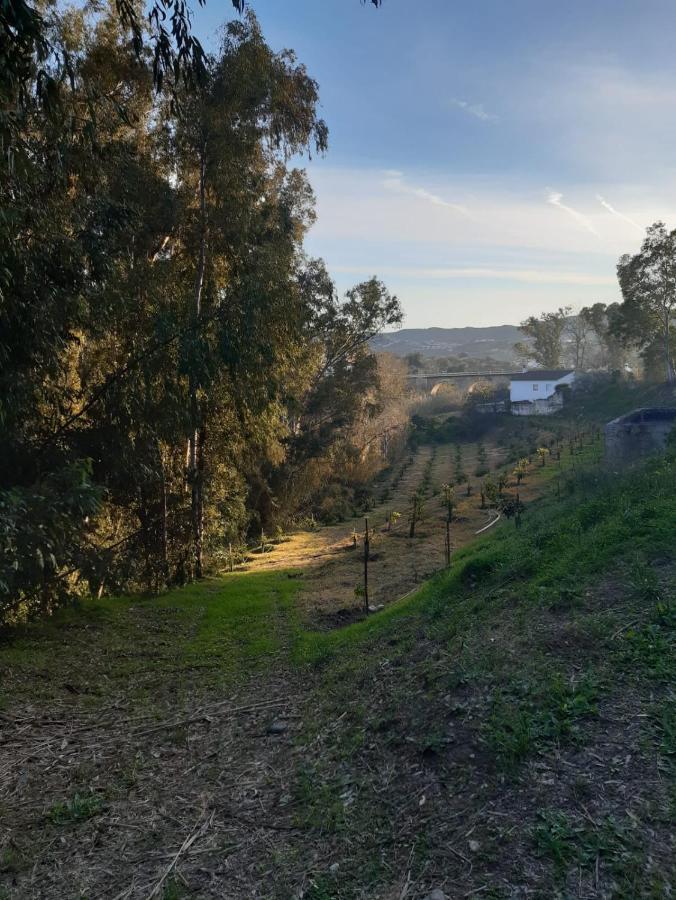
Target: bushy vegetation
[{"x": 175, "y": 373}]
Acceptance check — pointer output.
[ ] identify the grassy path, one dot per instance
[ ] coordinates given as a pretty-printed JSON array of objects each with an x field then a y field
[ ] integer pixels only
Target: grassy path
[{"x": 185, "y": 736}]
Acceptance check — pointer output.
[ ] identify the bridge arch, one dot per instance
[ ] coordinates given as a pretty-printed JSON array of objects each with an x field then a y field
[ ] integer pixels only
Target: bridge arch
[
  {"x": 465, "y": 382},
  {"x": 444, "y": 387}
]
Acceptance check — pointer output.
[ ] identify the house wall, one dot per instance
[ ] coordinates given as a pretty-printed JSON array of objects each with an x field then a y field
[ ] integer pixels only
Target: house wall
[{"x": 523, "y": 390}]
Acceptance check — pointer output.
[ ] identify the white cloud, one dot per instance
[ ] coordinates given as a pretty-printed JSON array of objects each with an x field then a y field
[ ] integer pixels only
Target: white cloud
[
  {"x": 609, "y": 121},
  {"x": 476, "y": 110},
  {"x": 615, "y": 212},
  {"x": 555, "y": 198},
  {"x": 527, "y": 276},
  {"x": 394, "y": 181}
]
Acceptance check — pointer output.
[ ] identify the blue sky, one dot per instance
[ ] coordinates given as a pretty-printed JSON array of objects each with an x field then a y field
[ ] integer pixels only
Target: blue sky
[{"x": 487, "y": 160}]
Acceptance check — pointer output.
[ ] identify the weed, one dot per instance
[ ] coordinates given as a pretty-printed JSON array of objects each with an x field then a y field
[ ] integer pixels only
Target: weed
[
  {"x": 322, "y": 805},
  {"x": 649, "y": 648},
  {"x": 542, "y": 714},
  {"x": 77, "y": 809},
  {"x": 174, "y": 890},
  {"x": 666, "y": 726},
  {"x": 10, "y": 860},
  {"x": 644, "y": 582},
  {"x": 608, "y": 846},
  {"x": 322, "y": 887}
]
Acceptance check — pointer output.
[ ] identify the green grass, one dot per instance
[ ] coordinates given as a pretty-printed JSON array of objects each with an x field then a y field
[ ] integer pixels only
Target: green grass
[
  {"x": 216, "y": 628},
  {"x": 533, "y": 716},
  {"x": 603, "y": 518},
  {"x": 78, "y": 809},
  {"x": 243, "y": 619},
  {"x": 475, "y": 630}
]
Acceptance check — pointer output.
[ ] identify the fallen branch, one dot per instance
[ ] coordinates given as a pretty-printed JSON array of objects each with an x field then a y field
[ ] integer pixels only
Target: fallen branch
[{"x": 197, "y": 831}]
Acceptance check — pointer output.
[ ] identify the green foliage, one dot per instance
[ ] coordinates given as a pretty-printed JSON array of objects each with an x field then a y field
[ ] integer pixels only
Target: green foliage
[
  {"x": 644, "y": 582},
  {"x": 565, "y": 840},
  {"x": 665, "y": 721},
  {"x": 78, "y": 809},
  {"x": 155, "y": 299},
  {"x": 42, "y": 540},
  {"x": 533, "y": 716},
  {"x": 545, "y": 335},
  {"x": 649, "y": 647},
  {"x": 646, "y": 316}
]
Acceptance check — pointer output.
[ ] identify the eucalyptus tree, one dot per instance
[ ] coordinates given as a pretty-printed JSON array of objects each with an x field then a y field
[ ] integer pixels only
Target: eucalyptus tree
[
  {"x": 242, "y": 219},
  {"x": 161, "y": 32},
  {"x": 604, "y": 321},
  {"x": 545, "y": 333},
  {"x": 648, "y": 283},
  {"x": 338, "y": 387}
]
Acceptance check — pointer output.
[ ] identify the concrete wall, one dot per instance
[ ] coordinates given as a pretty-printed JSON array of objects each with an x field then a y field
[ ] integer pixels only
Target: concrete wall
[
  {"x": 638, "y": 434},
  {"x": 538, "y": 407}
]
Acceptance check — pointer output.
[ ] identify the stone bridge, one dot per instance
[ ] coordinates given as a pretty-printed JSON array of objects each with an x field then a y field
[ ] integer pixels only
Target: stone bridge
[{"x": 464, "y": 381}]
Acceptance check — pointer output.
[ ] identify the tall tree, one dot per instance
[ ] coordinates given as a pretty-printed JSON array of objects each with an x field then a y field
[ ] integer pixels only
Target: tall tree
[
  {"x": 603, "y": 320},
  {"x": 545, "y": 333},
  {"x": 161, "y": 332},
  {"x": 254, "y": 110},
  {"x": 578, "y": 329},
  {"x": 648, "y": 285}
]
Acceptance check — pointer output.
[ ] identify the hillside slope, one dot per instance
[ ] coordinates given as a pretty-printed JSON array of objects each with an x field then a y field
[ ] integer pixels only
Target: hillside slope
[
  {"x": 508, "y": 731},
  {"x": 496, "y": 341}
]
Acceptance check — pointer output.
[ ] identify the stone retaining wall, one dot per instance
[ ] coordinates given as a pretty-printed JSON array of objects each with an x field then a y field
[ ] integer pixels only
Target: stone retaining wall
[{"x": 637, "y": 434}]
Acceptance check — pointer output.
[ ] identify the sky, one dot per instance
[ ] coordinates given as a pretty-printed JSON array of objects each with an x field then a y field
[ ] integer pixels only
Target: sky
[{"x": 488, "y": 160}]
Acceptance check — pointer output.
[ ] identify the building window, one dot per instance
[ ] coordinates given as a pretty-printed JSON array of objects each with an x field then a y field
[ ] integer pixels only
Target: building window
[
  {"x": 549, "y": 387},
  {"x": 536, "y": 387}
]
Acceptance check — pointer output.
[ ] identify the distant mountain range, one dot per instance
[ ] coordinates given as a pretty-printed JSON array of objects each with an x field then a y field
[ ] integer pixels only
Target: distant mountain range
[{"x": 495, "y": 341}]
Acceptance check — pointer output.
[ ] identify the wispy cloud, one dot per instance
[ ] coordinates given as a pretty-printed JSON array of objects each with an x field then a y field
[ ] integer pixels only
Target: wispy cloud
[
  {"x": 526, "y": 276},
  {"x": 555, "y": 198},
  {"x": 394, "y": 181},
  {"x": 476, "y": 110},
  {"x": 615, "y": 212}
]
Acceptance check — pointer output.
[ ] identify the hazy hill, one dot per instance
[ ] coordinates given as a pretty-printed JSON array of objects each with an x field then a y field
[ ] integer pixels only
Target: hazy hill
[{"x": 496, "y": 341}]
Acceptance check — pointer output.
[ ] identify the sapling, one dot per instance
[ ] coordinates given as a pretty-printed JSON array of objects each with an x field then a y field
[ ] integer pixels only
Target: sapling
[
  {"x": 489, "y": 492},
  {"x": 520, "y": 470},
  {"x": 542, "y": 453},
  {"x": 511, "y": 508},
  {"x": 392, "y": 518},
  {"x": 449, "y": 497},
  {"x": 417, "y": 506}
]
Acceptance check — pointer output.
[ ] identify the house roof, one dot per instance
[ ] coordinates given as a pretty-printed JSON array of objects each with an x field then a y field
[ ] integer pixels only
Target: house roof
[{"x": 542, "y": 375}]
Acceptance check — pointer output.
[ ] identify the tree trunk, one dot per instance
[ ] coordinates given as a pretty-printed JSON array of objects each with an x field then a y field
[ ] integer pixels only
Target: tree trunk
[
  {"x": 196, "y": 452},
  {"x": 366, "y": 566},
  {"x": 667, "y": 351},
  {"x": 164, "y": 516}
]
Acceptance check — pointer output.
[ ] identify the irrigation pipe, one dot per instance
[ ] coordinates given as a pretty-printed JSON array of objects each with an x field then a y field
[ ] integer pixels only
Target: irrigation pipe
[{"x": 490, "y": 525}]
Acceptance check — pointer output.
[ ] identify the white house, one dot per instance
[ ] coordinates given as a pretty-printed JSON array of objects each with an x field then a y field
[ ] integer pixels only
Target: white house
[{"x": 538, "y": 391}]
